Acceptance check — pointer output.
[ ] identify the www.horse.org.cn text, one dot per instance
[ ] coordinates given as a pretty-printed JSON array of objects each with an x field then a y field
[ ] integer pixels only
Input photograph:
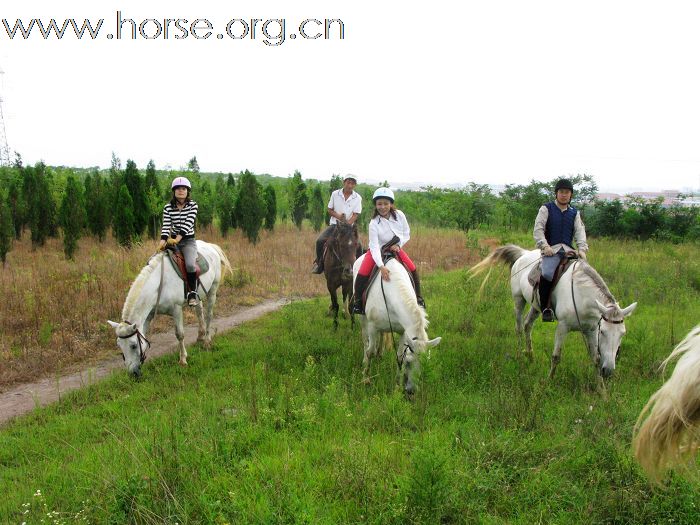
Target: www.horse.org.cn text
[{"x": 270, "y": 31}]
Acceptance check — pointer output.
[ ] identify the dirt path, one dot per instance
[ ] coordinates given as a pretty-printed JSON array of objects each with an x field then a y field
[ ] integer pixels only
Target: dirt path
[{"x": 24, "y": 398}]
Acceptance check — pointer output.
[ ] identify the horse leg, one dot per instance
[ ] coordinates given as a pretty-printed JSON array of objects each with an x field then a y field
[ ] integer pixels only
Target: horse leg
[
  {"x": 559, "y": 337},
  {"x": 347, "y": 292},
  {"x": 519, "y": 307},
  {"x": 201, "y": 330},
  {"x": 371, "y": 339},
  {"x": 530, "y": 319},
  {"x": 592, "y": 346},
  {"x": 334, "y": 304},
  {"x": 209, "y": 315},
  {"x": 180, "y": 333}
]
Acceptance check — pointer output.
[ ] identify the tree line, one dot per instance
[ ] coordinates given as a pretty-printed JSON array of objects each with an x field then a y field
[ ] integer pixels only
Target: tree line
[{"x": 128, "y": 202}]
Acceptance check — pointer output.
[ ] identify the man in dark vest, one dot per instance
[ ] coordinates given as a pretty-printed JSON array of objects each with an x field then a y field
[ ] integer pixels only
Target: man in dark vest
[{"x": 557, "y": 226}]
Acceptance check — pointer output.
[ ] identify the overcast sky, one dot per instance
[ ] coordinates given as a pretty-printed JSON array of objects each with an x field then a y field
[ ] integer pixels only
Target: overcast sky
[{"x": 440, "y": 92}]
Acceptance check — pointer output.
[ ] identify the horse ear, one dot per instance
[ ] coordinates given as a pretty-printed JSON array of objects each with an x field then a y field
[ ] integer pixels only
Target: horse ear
[
  {"x": 628, "y": 311},
  {"x": 433, "y": 342},
  {"x": 601, "y": 306},
  {"x": 113, "y": 324}
]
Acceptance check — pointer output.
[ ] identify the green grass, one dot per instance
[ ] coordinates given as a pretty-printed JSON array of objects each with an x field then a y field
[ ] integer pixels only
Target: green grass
[{"x": 275, "y": 426}]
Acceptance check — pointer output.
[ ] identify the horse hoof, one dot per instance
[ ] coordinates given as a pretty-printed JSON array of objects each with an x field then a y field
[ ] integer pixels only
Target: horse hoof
[
  {"x": 183, "y": 363},
  {"x": 366, "y": 380}
]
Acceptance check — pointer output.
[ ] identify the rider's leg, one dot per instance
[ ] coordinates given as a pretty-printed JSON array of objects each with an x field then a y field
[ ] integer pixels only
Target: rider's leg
[
  {"x": 189, "y": 252},
  {"x": 320, "y": 243},
  {"x": 361, "y": 281},
  {"x": 403, "y": 256}
]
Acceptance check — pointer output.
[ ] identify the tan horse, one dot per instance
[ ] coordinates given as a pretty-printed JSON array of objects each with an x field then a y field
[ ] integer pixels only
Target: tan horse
[{"x": 667, "y": 431}]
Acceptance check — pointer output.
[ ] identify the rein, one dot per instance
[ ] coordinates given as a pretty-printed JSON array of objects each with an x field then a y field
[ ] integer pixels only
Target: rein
[
  {"x": 407, "y": 347},
  {"x": 139, "y": 337}
]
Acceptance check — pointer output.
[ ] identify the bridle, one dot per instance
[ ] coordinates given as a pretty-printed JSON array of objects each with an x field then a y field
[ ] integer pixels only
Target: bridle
[
  {"x": 600, "y": 321},
  {"x": 335, "y": 242},
  {"x": 140, "y": 338}
]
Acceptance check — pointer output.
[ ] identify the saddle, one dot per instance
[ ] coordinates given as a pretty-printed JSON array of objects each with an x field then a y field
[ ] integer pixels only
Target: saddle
[
  {"x": 178, "y": 262},
  {"x": 536, "y": 273},
  {"x": 387, "y": 254}
]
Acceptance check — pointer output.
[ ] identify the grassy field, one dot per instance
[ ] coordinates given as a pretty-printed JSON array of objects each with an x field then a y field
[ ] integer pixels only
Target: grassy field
[
  {"x": 275, "y": 426},
  {"x": 52, "y": 318}
]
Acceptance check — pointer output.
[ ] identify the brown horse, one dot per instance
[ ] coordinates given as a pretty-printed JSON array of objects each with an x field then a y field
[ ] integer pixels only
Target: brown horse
[{"x": 341, "y": 252}]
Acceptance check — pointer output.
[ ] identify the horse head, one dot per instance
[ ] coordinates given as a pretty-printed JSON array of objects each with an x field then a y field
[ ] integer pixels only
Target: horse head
[
  {"x": 132, "y": 344},
  {"x": 344, "y": 247},
  {"x": 611, "y": 329}
]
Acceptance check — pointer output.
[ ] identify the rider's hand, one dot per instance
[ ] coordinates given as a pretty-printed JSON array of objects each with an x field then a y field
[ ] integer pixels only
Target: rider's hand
[
  {"x": 547, "y": 251},
  {"x": 172, "y": 242},
  {"x": 582, "y": 255},
  {"x": 395, "y": 248},
  {"x": 385, "y": 272}
]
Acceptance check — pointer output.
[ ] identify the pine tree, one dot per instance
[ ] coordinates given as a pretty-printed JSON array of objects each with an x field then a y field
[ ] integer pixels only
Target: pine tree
[
  {"x": 40, "y": 204},
  {"x": 134, "y": 183},
  {"x": 317, "y": 208},
  {"x": 6, "y": 229},
  {"x": 16, "y": 203},
  {"x": 193, "y": 165},
  {"x": 96, "y": 205},
  {"x": 153, "y": 199},
  {"x": 298, "y": 198},
  {"x": 250, "y": 206},
  {"x": 231, "y": 186},
  {"x": 205, "y": 205},
  {"x": 72, "y": 216},
  {"x": 336, "y": 183},
  {"x": 270, "y": 198},
  {"x": 123, "y": 226},
  {"x": 50, "y": 212},
  {"x": 224, "y": 205}
]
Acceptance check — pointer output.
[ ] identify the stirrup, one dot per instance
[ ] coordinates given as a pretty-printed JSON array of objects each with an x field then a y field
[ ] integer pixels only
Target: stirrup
[
  {"x": 192, "y": 299},
  {"x": 547, "y": 315},
  {"x": 420, "y": 301},
  {"x": 357, "y": 309},
  {"x": 317, "y": 269}
]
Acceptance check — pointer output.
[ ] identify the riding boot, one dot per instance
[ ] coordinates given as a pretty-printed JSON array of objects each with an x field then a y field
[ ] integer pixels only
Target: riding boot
[
  {"x": 545, "y": 307},
  {"x": 360, "y": 285},
  {"x": 416, "y": 282},
  {"x": 192, "y": 298},
  {"x": 318, "y": 263}
]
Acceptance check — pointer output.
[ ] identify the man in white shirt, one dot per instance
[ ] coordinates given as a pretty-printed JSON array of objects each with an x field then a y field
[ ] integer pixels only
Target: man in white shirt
[{"x": 345, "y": 205}]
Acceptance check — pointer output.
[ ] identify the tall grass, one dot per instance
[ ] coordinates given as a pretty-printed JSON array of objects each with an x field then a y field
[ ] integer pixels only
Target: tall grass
[
  {"x": 53, "y": 311},
  {"x": 275, "y": 426}
]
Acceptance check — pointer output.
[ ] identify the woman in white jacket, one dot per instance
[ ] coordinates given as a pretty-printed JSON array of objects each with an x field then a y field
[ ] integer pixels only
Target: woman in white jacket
[{"x": 388, "y": 226}]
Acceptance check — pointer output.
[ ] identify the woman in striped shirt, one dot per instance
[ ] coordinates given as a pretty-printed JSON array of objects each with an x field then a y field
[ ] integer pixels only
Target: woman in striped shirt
[
  {"x": 386, "y": 226},
  {"x": 179, "y": 217}
]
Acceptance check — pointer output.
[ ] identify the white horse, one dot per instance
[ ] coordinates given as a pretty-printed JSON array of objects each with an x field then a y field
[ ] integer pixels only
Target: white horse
[
  {"x": 391, "y": 305},
  {"x": 159, "y": 290},
  {"x": 669, "y": 434},
  {"x": 581, "y": 300}
]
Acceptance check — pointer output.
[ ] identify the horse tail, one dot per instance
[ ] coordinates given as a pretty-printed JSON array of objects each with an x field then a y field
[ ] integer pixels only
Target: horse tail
[
  {"x": 225, "y": 264},
  {"x": 507, "y": 254},
  {"x": 668, "y": 435}
]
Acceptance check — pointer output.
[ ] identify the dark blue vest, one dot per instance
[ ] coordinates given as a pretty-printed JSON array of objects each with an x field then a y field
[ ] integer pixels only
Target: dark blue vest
[{"x": 560, "y": 226}]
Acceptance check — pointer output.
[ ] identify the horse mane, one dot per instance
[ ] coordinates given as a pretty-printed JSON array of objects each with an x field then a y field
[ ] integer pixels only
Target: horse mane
[
  {"x": 596, "y": 281},
  {"x": 408, "y": 296},
  {"x": 137, "y": 286}
]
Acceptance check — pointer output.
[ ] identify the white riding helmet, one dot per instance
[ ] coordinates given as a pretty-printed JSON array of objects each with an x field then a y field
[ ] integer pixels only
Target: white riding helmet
[
  {"x": 383, "y": 193},
  {"x": 181, "y": 181}
]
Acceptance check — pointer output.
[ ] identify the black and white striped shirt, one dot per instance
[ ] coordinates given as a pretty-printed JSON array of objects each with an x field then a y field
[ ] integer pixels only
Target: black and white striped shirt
[{"x": 179, "y": 221}]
